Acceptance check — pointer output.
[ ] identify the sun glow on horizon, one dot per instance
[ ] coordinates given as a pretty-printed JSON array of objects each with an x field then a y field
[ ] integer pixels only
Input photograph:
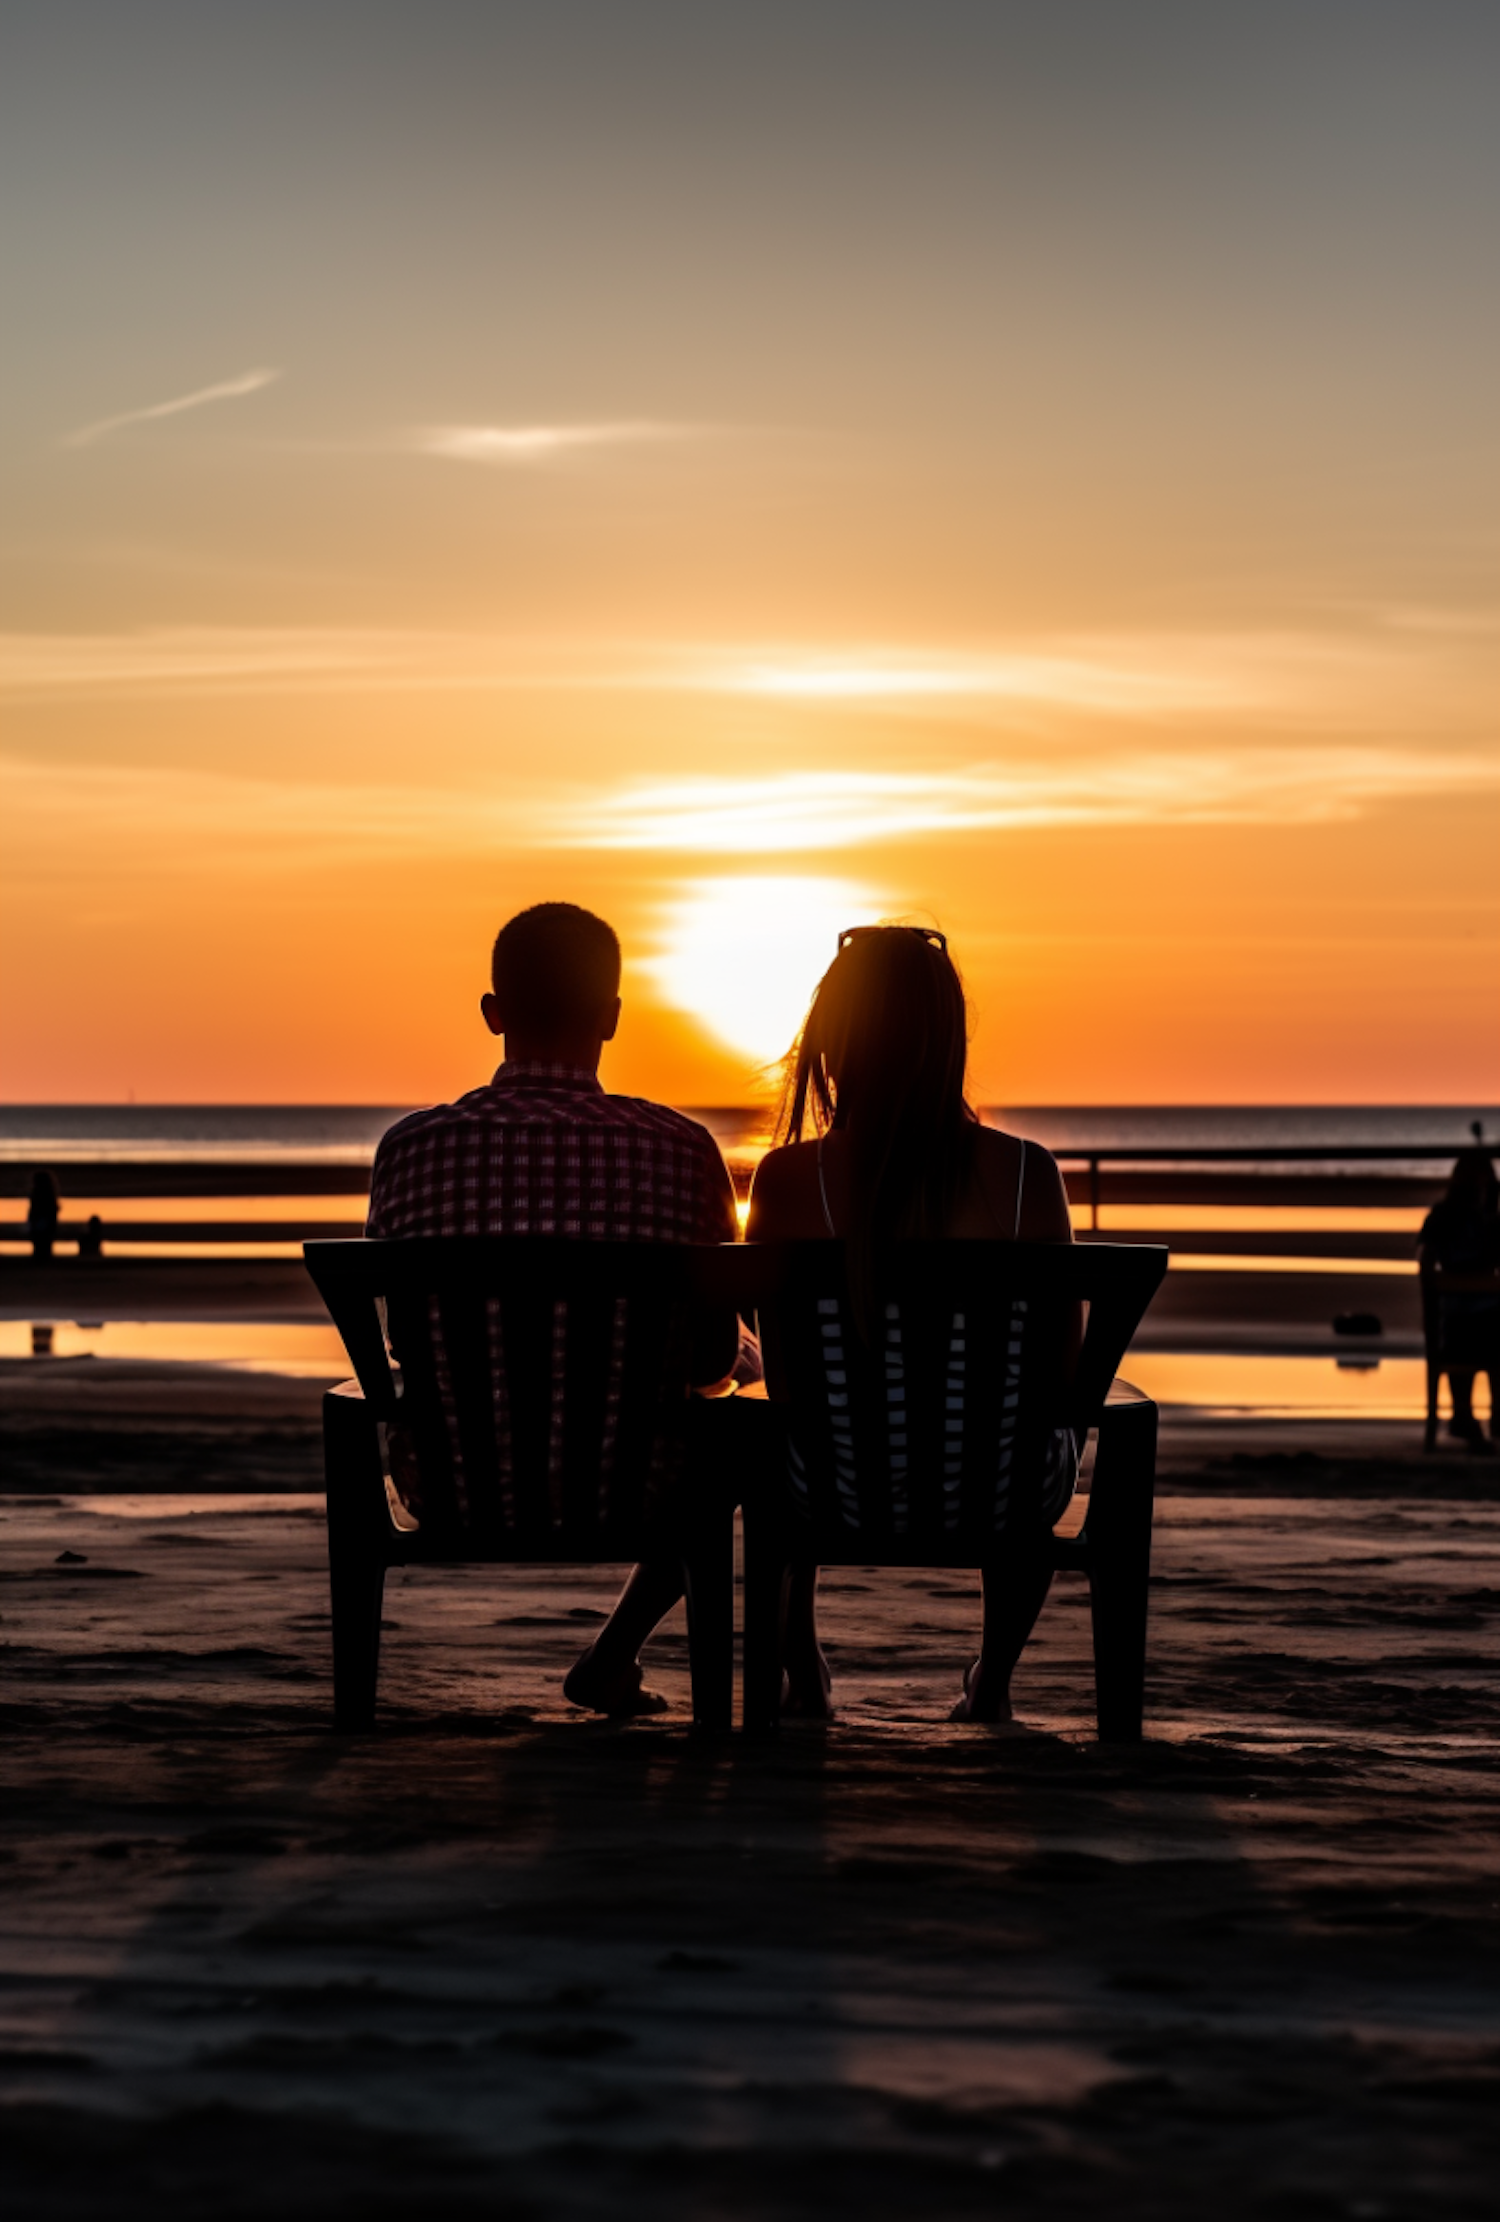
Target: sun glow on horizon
[{"x": 743, "y": 955}]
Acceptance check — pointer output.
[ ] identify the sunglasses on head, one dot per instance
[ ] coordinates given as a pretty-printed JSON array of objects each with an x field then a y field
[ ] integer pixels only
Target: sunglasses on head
[
  {"x": 923, "y": 934},
  {"x": 929, "y": 934}
]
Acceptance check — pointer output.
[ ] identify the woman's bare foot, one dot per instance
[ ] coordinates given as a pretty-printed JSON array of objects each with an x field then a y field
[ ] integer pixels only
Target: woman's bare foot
[
  {"x": 981, "y": 1701},
  {"x": 806, "y": 1690},
  {"x": 618, "y": 1691}
]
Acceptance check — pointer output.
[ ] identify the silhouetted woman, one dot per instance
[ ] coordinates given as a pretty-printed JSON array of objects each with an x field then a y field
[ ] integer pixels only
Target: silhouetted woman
[{"x": 878, "y": 1141}]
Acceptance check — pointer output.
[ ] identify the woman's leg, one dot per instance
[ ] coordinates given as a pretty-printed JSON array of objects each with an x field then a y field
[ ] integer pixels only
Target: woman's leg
[
  {"x": 808, "y": 1679},
  {"x": 1015, "y": 1589}
]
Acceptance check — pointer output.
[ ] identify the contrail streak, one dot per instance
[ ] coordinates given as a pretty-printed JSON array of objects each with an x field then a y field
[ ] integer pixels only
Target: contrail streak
[{"x": 228, "y": 389}]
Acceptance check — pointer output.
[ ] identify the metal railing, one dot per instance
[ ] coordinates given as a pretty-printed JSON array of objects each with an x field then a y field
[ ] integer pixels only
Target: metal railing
[{"x": 1358, "y": 1176}]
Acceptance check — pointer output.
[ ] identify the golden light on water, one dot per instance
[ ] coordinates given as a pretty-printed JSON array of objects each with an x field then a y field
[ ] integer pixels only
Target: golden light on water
[{"x": 743, "y": 955}]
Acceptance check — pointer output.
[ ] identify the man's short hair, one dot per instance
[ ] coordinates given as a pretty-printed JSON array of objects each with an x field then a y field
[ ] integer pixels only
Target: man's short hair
[{"x": 555, "y": 967}]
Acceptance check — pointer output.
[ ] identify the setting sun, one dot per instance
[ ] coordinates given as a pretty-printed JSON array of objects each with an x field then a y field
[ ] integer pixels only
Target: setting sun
[{"x": 744, "y": 955}]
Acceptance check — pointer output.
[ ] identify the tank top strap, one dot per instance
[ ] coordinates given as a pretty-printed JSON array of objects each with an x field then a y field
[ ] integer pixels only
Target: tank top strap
[{"x": 823, "y": 1192}]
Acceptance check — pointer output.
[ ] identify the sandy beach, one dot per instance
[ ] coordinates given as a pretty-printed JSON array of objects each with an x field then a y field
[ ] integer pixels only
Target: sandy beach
[{"x": 500, "y": 1957}]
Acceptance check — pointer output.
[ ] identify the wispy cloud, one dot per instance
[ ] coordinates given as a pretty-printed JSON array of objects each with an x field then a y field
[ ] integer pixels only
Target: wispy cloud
[
  {"x": 501, "y": 444},
  {"x": 228, "y": 389},
  {"x": 800, "y": 812},
  {"x": 212, "y": 660},
  {"x": 149, "y": 820},
  {"x": 1106, "y": 678},
  {"x": 1352, "y": 689},
  {"x": 1123, "y": 679}
]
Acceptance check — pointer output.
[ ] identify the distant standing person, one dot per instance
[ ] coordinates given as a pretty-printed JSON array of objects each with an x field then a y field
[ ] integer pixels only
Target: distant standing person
[
  {"x": 1461, "y": 1235},
  {"x": 42, "y": 1214}
]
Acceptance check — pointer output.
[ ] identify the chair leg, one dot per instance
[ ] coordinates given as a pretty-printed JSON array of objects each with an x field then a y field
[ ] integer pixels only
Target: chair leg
[
  {"x": 766, "y": 1575},
  {"x": 357, "y": 1588},
  {"x": 1118, "y": 1534},
  {"x": 357, "y": 1520},
  {"x": 708, "y": 1579}
]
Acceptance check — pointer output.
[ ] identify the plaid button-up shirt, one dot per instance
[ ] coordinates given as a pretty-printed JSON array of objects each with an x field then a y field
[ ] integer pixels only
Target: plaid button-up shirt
[{"x": 543, "y": 1150}]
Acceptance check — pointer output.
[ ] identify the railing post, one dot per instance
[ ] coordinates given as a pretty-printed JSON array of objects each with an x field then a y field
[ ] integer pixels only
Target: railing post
[{"x": 1094, "y": 1194}]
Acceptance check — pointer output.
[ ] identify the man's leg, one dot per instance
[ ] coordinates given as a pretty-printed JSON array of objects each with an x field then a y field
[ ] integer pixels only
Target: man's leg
[
  {"x": 808, "y": 1681},
  {"x": 730, "y": 1439},
  {"x": 607, "y": 1679}
]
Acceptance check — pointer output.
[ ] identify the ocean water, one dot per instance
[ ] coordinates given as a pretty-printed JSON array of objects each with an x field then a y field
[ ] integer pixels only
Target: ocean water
[
  {"x": 1272, "y": 1126},
  {"x": 339, "y": 1134},
  {"x": 346, "y": 1134}
]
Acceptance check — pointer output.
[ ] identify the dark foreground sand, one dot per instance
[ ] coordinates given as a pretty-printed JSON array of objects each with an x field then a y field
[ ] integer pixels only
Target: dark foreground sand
[{"x": 499, "y": 1959}]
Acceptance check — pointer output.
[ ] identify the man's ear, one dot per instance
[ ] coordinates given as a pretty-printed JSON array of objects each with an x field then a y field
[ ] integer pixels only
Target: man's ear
[
  {"x": 490, "y": 1008},
  {"x": 610, "y": 1024}
]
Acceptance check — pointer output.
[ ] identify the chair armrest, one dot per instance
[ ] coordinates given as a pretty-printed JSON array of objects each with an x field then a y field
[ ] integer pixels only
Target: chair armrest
[
  {"x": 1122, "y": 1492},
  {"x": 359, "y": 1496}
]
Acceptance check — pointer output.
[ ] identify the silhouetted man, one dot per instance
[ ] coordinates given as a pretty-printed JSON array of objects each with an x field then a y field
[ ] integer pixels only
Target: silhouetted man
[{"x": 542, "y": 1150}]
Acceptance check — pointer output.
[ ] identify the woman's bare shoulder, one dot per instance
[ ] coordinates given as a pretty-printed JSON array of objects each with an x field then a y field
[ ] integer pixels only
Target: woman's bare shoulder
[
  {"x": 999, "y": 1138},
  {"x": 790, "y": 1161},
  {"x": 1045, "y": 1216},
  {"x": 996, "y": 1146},
  {"x": 1043, "y": 1195},
  {"x": 784, "y": 1193}
]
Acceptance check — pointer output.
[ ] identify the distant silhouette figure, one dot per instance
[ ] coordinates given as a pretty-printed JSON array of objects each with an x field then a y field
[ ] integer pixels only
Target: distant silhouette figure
[
  {"x": 42, "y": 1214},
  {"x": 893, "y": 1150},
  {"x": 1461, "y": 1239},
  {"x": 91, "y": 1241}
]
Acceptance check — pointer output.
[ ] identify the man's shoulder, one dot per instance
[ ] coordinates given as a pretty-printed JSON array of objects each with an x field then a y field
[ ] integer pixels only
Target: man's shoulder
[
  {"x": 435, "y": 1119},
  {"x": 498, "y": 1105},
  {"x": 659, "y": 1118}
]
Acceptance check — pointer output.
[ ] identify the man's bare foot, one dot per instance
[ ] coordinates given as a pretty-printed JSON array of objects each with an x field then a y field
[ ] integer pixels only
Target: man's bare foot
[
  {"x": 618, "y": 1691},
  {"x": 806, "y": 1692},
  {"x": 979, "y": 1703}
]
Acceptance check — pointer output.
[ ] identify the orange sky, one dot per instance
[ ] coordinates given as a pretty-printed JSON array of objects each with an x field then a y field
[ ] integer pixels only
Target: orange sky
[{"x": 746, "y": 500}]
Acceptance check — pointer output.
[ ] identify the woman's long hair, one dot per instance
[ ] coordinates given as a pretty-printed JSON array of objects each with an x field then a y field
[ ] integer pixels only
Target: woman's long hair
[{"x": 881, "y": 1061}]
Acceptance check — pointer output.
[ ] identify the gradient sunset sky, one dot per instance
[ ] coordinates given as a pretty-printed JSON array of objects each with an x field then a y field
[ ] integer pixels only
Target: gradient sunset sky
[{"x": 1032, "y": 468}]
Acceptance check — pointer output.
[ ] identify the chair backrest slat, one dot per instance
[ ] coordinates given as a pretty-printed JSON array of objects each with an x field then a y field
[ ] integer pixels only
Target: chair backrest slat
[
  {"x": 946, "y": 1411},
  {"x": 525, "y": 1330},
  {"x": 459, "y": 1338},
  {"x": 542, "y": 1382},
  {"x": 579, "y": 1449}
]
